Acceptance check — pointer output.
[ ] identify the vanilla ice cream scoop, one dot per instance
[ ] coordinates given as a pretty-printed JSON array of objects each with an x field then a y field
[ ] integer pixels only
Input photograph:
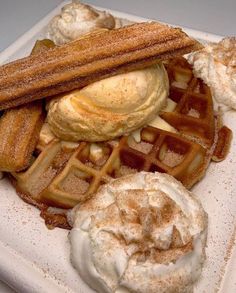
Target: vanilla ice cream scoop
[
  {"x": 75, "y": 20},
  {"x": 216, "y": 65},
  {"x": 141, "y": 233},
  {"x": 111, "y": 107}
]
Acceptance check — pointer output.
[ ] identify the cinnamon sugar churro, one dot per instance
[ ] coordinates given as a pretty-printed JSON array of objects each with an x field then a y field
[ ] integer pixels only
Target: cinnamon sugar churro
[
  {"x": 20, "y": 127},
  {"x": 19, "y": 131},
  {"x": 84, "y": 61}
]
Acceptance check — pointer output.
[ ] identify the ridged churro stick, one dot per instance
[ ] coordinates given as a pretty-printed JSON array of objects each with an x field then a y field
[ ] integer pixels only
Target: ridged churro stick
[
  {"x": 19, "y": 132},
  {"x": 19, "y": 129},
  {"x": 84, "y": 61}
]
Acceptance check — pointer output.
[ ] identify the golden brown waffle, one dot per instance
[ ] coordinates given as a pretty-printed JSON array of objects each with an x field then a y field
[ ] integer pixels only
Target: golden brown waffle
[
  {"x": 62, "y": 176},
  {"x": 193, "y": 115}
]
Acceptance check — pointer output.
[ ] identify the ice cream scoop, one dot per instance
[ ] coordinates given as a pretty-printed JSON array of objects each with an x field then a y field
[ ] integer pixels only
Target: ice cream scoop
[{"x": 111, "y": 107}]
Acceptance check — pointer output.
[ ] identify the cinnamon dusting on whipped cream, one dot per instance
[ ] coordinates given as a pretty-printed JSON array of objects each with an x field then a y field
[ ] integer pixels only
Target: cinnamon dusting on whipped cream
[
  {"x": 77, "y": 19},
  {"x": 140, "y": 233},
  {"x": 216, "y": 65}
]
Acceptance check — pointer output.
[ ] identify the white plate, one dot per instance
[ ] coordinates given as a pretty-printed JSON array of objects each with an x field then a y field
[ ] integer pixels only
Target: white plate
[{"x": 34, "y": 259}]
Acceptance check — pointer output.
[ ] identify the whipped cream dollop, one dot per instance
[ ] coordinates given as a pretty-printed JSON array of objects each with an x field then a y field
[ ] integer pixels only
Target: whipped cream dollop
[
  {"x": 75, "y": 20},
  {"x": 216, "y": 65},
  {"x": 111, "y": 107},
  {"x": 140, "y": 233}
]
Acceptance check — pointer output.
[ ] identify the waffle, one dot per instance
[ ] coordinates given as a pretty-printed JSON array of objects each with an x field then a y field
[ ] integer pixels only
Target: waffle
[
  {"x": 65, "y": 174},
  {"x": 193, "y": 115}
]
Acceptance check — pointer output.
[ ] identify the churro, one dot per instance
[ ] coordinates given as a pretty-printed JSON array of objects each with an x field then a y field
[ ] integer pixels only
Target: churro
[
  {"x": 19, "y": 132},
  {"x": 20, "y": 127},
  {"x": 84, "y": 61}
]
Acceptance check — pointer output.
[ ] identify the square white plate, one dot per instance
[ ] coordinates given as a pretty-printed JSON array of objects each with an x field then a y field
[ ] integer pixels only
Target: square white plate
[{"x": 35, "y": 259}]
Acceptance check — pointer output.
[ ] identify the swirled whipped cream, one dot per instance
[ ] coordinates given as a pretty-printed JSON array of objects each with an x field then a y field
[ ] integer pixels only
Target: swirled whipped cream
[
  {"x": 216, "y": 65},
  {"x": 75, "y": 20},
  {"x": 141, "y": 233}
]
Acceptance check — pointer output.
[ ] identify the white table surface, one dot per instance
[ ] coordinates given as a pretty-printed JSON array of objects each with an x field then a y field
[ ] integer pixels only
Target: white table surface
[{"x": 214, "y": 16}]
